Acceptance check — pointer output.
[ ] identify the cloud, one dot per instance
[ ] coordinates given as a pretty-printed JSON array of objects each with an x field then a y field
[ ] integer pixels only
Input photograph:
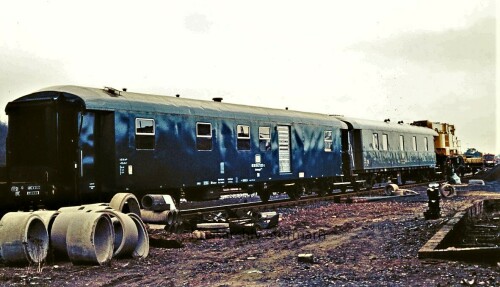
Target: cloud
[
  {"x": 469, "y": 48},
  {"x": 197, "y": 23},
  {"x": 446, "y": 76},
  {"x": 22, "y": 73}
]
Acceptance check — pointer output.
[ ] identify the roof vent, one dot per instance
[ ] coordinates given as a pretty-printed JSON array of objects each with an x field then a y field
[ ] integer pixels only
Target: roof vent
[
  {"x": 387, "y": 120},
  {"x": 124, "y": 89},
  {"x": 400, "y": 122},
  {"x": 217, "y": 99},
  {"x": 112, "y": 91},
  {"x": 177, "y": 96}
]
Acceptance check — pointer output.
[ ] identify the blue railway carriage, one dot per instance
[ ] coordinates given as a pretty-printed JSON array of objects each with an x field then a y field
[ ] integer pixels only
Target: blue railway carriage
[
  {"x": 379, "y": 151},
  {"x": 70, "y": 144}
]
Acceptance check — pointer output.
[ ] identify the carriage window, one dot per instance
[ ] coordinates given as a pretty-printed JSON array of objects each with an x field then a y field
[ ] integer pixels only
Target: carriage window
[
  {"x": 203, "y": 136},
  {"x": 243, "y": 137},
  {"x": 426, "y": 144},
  {"x": 385, "y": 142},
  {"x": 375, "y": 141},
  {"x": 328, "y": 141},
  {"x": 401, "y": 143},
  {"x": 265, "y": 138},
  {"x": 144, "y": 133},
  {"x": 414, "y": 143}
]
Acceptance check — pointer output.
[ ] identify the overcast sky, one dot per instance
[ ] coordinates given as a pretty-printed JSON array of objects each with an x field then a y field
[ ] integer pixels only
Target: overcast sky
[{"x": 403, "y": 60}]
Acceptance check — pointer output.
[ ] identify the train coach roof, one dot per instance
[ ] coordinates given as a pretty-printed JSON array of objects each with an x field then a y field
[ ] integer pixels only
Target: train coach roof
[
  {"x": 386, "y": 126},
  {"x": 100, "y": 99}
]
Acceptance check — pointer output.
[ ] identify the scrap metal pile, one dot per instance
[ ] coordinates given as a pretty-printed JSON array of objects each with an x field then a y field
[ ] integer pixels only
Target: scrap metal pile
[{"x": 222, "y": 225}]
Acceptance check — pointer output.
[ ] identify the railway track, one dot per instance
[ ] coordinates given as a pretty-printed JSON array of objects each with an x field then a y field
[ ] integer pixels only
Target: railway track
[{"x": 273, "y": 204}]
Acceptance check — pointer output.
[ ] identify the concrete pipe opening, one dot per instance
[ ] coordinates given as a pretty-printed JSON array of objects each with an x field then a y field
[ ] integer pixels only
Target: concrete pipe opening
[
  {"x": 158, "y": 202},
  {"x": 48, "y": 217},
  {"x": 390, "y": 189},
  {"x": 126, "y": 233},
  {"x": 125, "y": 203},
  {"x": 175, "y": 216},
  {"x": 59, "y": 231},
  {"x": 90, "y": 239},
  {"x": 142, "y": 248},
  {"x": 23, "y": 238}
]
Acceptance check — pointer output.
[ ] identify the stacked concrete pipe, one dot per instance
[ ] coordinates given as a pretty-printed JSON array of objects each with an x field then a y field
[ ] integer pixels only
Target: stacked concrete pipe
[
  {"x": 142, "y": 248},
  {"x": 48, "y": 217},
  {"x": 125, "y": 203},
  {"x": 89, "y": 238},
  {"x": 160, "y": 209},
  {"x": 23, "y": 238}
]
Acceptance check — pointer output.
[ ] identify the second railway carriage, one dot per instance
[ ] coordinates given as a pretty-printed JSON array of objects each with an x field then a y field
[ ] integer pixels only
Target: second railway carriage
[
  {"x": 379, "y": 150},
  {"x": 70, "y": 144}
]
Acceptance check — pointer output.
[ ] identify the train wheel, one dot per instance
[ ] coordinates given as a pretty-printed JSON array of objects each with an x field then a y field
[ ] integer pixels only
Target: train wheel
[
  {"x": 368, "y": 184},
  {"x": 323, "y": 189},
  {"x": 295, "y": 191},
  {"x": 264, "y": 195}
]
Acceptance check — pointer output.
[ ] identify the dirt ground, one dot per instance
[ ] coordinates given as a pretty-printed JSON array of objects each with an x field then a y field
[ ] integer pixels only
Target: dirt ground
[{"x": 359, "y": 244}]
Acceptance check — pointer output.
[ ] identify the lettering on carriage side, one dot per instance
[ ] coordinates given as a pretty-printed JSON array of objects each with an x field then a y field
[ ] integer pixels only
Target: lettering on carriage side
[
  {"x": 91, "y": 185},
  {"x": 123, "y": 165},
  {"x": 258, "y": 165},
  {"x": 33, "y": 189}
]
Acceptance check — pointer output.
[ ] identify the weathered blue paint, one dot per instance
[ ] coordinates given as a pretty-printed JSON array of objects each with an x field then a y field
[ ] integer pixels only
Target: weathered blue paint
[
  {"x": 396, "y": 157},
  {"x": 108, "y": 160}
]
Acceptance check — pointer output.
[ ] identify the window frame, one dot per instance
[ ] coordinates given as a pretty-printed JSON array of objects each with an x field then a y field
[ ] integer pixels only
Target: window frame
[
  {"x": 201, "y": 138},
  {"x": 385, "y": 142},
  {"x": 243, "y": 142},
  {"x": 426, "y": 144},
  {"x": 414, "y": 143},
  {"x": 147, "y": 133},
  {"x": 265, "y": 140},
  {"x": 142, "y": 140},
  {"x": 329, "y": 147},
  {"x": 375, "y": 141},
  {"x": 401, "y": 142}
]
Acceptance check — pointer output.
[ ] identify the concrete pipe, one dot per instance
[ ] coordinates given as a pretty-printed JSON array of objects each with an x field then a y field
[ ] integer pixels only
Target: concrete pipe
[
  {"x": 60, "y": 228},
  {"x": 447, "y": 190},
  {"x": 142, "y": 248},
  {"x": 390, "y": 189},
  {"x": 126, "y": 203},
  {"x": 97, "y": 207},
  {"x": 175, "y": 216},
  {"x": 158, "y": 202},
  {"x": 161, "y": 217},
  {"x": 71, "y": 208},
  {"x": 125, "y": 231},
  {"x": 23, "y": 238},
  {"x": 89, "y": 238},
  {"x": 48, "y": 217}
]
